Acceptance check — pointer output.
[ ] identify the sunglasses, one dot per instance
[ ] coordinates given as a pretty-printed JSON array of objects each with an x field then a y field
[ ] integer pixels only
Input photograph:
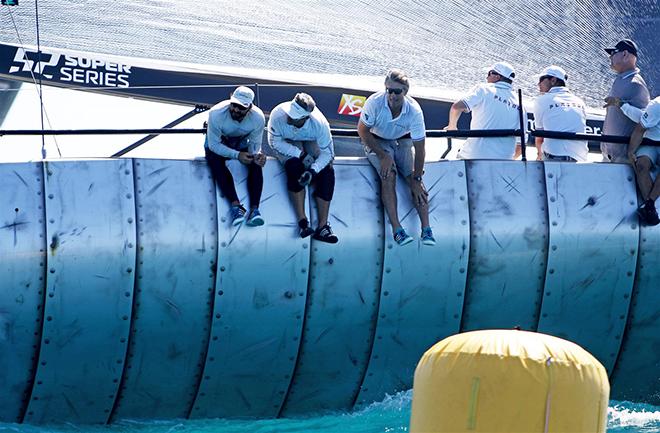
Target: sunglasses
[
  {"x": 239, "y": 107},
  {"x": 544, "y": 77},
  {"x": 395, "y": 91},
  {"x": 492, "y": 73}
]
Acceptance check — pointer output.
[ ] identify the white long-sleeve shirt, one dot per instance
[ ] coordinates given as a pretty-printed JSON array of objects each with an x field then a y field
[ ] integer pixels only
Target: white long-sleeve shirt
[
  {"x": 316, "y": 128},
  {"x": 221, "y": 123},
  {"x": 649, "y": 117}
]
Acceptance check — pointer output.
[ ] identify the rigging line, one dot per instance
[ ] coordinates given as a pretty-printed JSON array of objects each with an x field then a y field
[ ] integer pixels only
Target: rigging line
[
  {"x": 185, "y": 86},
  {"x": 34, "y": 80},
  {"x": 41, "y": 94}
]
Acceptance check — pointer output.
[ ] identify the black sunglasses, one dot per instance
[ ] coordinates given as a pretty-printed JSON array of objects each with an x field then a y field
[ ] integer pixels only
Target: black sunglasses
[
  {"x": 239, "y": 107},
  {"x": 544, "y": 77},
  {"x": 493, "y": 73},
  {"x": 395, "y": 91}
]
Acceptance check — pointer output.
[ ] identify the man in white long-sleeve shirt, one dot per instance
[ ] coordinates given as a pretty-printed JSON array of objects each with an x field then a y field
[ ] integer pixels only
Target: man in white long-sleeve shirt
[
  {"x": 235, "y": 131},
  {"x": 644, "y": 153},
  {"x": 300, "y": 136}
]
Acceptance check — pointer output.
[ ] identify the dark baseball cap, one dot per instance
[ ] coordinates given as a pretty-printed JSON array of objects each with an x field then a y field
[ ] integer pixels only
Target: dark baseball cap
[{"x": 623, "y": 45}]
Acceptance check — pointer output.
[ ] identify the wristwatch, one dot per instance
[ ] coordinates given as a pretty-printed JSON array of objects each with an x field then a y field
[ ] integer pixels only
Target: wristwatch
[{"x": 417, "y": 178}]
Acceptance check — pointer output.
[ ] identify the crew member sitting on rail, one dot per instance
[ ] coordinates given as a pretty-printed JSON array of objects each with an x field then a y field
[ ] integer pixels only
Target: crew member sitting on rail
[
  {"x": 493, "y": 106},
  {"x": 235, "y": 131},
  {"x": 644, "y": 154},
  {"x": 300, "y": 136},
  {"x": 557, "y": 109},
  {"x": 390, "y": 125}
]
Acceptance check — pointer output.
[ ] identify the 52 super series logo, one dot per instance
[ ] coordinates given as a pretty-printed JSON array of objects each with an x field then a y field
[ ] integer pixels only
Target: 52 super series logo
[{"x": 72, "y": 69}]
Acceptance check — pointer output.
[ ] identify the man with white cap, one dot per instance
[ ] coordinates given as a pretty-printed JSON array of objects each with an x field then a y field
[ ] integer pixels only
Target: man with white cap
[
  {"x": 493, "y": 106},
  {"x": 235, "y": 131},
  {"x": 391, "y": 124},
  {"x": 629, "y": 87},
  {"x": 557, "y": 109},
  {"x": 300, "y": 136}
]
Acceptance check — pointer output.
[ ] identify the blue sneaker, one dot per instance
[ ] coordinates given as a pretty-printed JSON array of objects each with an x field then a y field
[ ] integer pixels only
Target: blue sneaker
[
  {"x": 237, "y": 215},
  {"x": 401, "y": 237},
  {"x": 427, "y": 236},
  {"x": 254, "y": 218}
]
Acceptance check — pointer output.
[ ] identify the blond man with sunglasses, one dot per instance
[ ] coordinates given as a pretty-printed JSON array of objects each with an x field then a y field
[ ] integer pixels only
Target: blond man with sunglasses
[{"x": 391, "y": 124}]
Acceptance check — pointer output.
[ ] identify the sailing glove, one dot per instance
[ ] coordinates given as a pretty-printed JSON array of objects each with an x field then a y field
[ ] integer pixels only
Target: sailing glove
[{"x": 307, "y": 176}]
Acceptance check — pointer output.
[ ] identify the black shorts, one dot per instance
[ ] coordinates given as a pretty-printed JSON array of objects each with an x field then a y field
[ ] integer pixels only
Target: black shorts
[{"x": 324, "y": 182}]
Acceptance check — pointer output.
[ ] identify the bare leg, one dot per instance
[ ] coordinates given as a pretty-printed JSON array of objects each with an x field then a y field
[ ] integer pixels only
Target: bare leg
[
  {"x": 655, "y": 192},
  {"x": 298, "y": 200},
  {"x": 644, "y": 181},
  {"x": 422, "y": 209},
  {"x": 323, "y": 211},
  {"x": 388, "y": 195}
]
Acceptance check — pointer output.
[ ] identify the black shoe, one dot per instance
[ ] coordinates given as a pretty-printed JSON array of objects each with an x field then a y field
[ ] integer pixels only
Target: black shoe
[
  {"x": 651, "y": 213},
  {"x": 304, "y": 228},
  {"x": 648, "y": 214},
  {"x": 324, "y": 234}
]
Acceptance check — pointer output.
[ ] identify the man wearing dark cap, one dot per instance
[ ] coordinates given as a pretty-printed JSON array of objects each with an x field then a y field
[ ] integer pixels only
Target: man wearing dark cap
[{"x": 628, "y": 87}]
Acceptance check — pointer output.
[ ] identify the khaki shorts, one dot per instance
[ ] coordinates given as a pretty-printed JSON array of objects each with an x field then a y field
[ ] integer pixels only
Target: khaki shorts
[
  {"x": 401, "y": 152},
  {"x": 651, "y": 152}
]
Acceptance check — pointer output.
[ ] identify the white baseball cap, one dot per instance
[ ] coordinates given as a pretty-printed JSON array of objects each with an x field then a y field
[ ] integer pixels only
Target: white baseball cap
[
  {"x": 296, "y": 111},
  {"x": 554, "y": 71},
  {"x": 504, "y": 69},
  {"x": 242, "y": 96}
]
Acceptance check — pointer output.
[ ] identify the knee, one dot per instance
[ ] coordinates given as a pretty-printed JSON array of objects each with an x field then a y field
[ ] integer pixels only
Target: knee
[
  {"x": 293, "y": 168},
  {"x": 643, "y": 164}
]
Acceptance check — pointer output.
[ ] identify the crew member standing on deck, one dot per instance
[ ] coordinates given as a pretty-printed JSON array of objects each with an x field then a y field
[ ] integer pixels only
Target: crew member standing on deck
[
  {"x": 557, "y": 109},
  {"x": 493, "y": 106},
  {"x": 300, "y": 136},
  {"x": 235, "y": 131},
  {"x": 390, "y": 125},
  {"x": 629, "y": 87}
]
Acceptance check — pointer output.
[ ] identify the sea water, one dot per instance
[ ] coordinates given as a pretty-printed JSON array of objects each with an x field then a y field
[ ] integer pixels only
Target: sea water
[{"x": 392, "y": 415}]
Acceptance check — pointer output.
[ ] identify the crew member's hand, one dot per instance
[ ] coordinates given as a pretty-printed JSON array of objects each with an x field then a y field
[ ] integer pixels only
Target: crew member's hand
[
  {"x": 632, "y": 157},
  {"x": 260, "y": 159},
  {"x": 307, "y": 176},
  {"x": 450, "y": 128},
  {"x": 386, "y": 166},
  {"x": 307, "y": 160},
  {"x": 419, "y": 193},
  {"x": 612, "y": 101},
  {"x": 245, "y": 158}
]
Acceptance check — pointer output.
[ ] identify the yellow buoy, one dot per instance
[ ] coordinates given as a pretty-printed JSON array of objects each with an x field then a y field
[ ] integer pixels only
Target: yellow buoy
[{"x": 509, "y": 381}]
